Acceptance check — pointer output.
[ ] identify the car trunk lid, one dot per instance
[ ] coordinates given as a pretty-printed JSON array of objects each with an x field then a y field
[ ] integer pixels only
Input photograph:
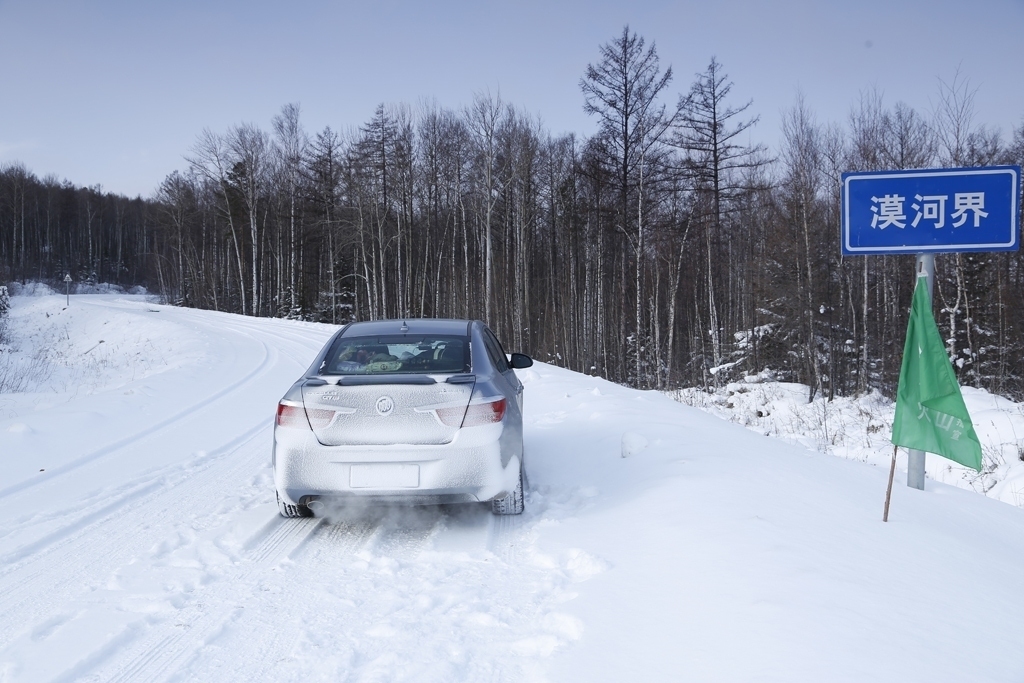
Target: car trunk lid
[{"x": 387, "y": 410}]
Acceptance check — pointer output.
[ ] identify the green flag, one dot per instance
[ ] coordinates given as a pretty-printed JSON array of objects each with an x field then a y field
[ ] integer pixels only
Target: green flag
[{"x": 930, "y": 411}]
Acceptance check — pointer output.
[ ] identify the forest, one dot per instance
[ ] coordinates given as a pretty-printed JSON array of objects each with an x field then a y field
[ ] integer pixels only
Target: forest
[{"x": 664, "y": 251}]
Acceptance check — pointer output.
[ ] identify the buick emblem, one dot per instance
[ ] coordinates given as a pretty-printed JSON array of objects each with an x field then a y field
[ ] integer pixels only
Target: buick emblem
[{"x": 385, "y": 405}]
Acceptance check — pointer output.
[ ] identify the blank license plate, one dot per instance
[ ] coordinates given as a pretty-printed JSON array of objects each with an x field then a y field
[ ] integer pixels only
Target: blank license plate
[{"x": 384, "y": 476}]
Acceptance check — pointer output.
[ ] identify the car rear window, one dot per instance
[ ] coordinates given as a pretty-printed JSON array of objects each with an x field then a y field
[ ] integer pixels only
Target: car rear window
[
  {"x": 416, "y": 354},
  {"x": 496, "y": 351}
]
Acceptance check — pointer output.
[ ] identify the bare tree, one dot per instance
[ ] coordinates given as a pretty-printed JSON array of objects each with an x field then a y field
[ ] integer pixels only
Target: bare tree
[
  {"x": 291, "y": 148},
  {"x": 210, "y": 158},
  {"x": 250, "y": 156},
  {"x": 709, "y": 132},
  {"x": 623, "y": 90},
  {"x": 324, "y": 174},
  {"x": 802, "y": 160},
  {"x": 484, "y": 118}
]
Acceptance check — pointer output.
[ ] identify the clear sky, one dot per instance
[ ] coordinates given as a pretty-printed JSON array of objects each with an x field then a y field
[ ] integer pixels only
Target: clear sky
[{"x": 114, "y": 92}]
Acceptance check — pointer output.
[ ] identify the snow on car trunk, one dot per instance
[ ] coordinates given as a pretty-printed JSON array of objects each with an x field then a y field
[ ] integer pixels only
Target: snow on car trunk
[{"x": 384, "y": 410}]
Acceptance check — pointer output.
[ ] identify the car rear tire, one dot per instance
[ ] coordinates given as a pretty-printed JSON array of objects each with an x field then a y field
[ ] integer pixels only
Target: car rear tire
[
  {"x": 513, "y": 503},
  {"x": 290, "y": 510}
]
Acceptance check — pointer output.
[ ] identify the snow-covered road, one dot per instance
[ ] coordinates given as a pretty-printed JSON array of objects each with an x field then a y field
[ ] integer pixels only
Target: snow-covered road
[{"x": 139, "y": 539}]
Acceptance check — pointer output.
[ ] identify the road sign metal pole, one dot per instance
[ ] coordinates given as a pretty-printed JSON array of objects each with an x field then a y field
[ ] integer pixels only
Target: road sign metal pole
[{"x": 925, "y": 268}]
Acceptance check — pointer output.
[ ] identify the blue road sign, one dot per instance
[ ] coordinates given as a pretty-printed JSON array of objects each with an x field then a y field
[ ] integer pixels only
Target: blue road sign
[{"x": 934, "y": 210}]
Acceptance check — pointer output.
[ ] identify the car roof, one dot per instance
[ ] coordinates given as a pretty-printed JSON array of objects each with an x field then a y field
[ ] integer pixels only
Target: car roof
[{"x": 415, "y": 326}]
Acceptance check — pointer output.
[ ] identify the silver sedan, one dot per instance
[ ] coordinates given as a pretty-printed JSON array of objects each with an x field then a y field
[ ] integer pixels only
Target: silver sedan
[{"x": 422, "y": 411}]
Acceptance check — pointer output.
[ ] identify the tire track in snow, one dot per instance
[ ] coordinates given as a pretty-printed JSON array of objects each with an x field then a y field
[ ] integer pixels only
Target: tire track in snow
[
  {"x": 404, "y": 538},
  {"x": 20, "y": 487},
  {"x": 161, "y": 654},
  {"x": 270, "y": 355},
  {"x": 336, "y": 540},
  {"x": 32, "y": 591},
  {"x": 505, "y": 535},
  {"x": 253, "y": 331},
  {"x": 258, "y": 642},
  {"x": 374, "y": 569},
  {"x": 39, "y": 579},
  {"x": 373, "y": 566},
  {"x": 330, "y": 545},
  {"x": 286, "y": 533},
  {"x": 133, "y": 496},
  {"x": 10, "y": 561}
]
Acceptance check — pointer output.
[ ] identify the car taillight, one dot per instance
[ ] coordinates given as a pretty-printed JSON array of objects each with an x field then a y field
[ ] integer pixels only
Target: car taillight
[
  {"x": 290, "y": 415},
  {"x": 451, "y": 417},
  {"x": 484, "y": 413},
  {"x": 319, "y": 418}
]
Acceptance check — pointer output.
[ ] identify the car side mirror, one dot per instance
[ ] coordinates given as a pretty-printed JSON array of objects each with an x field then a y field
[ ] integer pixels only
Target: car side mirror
[{"x": 520, "y": 361}]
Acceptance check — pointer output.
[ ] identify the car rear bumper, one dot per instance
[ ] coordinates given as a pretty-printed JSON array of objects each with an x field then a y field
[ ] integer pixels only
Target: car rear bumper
[{"x": 468, "y": 469}]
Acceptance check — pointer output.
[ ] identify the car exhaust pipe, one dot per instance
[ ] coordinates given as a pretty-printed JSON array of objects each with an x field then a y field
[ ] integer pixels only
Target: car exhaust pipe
[{"x": 316, "y": 506}]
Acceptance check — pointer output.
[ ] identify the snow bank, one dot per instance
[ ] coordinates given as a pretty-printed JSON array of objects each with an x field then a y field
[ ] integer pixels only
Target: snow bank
[
  {"x": 860, "y": 428},
  {"x": 32, "y": 288},
  {"x": 105, "y": 288},
  {"x": 54, "y": 351},
  {"x": 29, "y": 289}
]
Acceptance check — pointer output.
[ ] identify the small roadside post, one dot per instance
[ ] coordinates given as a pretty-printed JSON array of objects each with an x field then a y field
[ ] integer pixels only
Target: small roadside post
[
  {"x": 928, "y": 212},
  {"x": 67, "y": 288}
]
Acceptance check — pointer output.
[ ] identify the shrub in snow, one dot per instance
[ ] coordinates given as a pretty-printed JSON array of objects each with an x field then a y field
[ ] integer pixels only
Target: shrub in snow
[
  {"x": 42, "y": 289},
  {"x": 16, "y": 371},
  {"x": 96, "y": 288},
  {"x": 29, "y": 289}
]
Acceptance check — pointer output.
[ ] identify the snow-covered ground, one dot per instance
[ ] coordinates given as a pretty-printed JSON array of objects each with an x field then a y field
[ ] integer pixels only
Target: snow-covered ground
[{"x": 139, "y": 539}]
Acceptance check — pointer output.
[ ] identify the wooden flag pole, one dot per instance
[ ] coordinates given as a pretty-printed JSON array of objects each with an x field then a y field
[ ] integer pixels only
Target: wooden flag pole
[{"x": 888, "y": 491}]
